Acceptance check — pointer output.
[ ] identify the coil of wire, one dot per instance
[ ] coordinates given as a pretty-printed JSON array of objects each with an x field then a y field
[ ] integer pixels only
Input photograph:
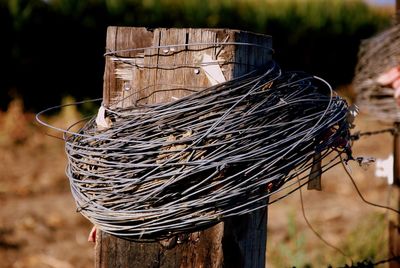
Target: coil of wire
[
  {"x": 377, "y": 55},
  {"x": 227, "y": 150}
]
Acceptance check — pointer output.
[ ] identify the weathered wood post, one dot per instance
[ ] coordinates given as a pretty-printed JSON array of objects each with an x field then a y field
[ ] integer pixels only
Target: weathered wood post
[
  {"x": 398, "y": 11},
  {"x": 237, "y": 242},
  {"x": 394, "y": 230},
  {"x": 396, "y": 155}
]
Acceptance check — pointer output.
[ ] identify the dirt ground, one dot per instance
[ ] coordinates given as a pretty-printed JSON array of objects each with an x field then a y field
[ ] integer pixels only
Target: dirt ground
[{"x": 39, "y": 225}]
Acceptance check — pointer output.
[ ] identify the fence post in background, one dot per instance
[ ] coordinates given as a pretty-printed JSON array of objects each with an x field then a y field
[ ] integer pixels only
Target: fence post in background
[
  {"x": 396, "y": 155},
  {"x": 394, "y": 231},
  {"x": 236, "y": 242}
]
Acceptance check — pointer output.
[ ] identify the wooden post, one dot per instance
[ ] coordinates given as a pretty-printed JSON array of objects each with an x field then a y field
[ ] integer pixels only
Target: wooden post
[
  {"x": 394, "y": 231},
  {"x": 396, "y": 155},
  {"x": 398, "y": 11},
  {"x": 237, "y": 242}
]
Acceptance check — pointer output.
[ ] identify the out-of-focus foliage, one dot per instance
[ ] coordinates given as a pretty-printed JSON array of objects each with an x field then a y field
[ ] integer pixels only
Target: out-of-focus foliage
[{"x": 54, "y": 47}]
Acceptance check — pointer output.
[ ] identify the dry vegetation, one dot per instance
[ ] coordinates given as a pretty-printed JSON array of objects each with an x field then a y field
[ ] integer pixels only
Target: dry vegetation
[
  {"x": 40, "y": 228},
  {"x": 38, "y": 223}
]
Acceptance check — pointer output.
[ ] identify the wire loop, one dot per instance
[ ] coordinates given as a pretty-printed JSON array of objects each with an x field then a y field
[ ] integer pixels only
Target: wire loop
[{"x": 179, "y": 167}]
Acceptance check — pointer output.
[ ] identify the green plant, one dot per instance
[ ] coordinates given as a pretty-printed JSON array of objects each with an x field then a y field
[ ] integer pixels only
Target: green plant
[
  {"x": 291, "y": 253},
  {"x": 368, "y": 240}
]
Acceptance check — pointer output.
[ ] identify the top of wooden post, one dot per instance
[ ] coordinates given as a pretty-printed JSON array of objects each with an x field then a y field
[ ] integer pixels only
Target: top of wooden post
[{"x": 173, "y": 58}]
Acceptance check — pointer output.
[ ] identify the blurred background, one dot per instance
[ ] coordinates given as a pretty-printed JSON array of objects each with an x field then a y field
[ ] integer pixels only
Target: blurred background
[{"x": 52, "y": 53}]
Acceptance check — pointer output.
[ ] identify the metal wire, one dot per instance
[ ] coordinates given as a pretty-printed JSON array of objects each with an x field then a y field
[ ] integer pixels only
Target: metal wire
[
  {"x": 376, "y": 56},
  {"x": 178, "y": 167},
  {"x": 357, "y": 135},
  {"x": 197, "y": 45}
]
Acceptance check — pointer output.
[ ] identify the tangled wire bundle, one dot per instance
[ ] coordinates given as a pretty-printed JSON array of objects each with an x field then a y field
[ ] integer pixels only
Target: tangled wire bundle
[
  {"x": 376, "y": 56},
  {"x": 164, "y": 169},
  {"x": 179, "y": 167}
]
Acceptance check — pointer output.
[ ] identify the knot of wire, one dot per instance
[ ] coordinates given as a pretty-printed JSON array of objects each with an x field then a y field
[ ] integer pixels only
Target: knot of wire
[
  {"x": 376, "y": 56},
  {"x": 227, "y": 150}
]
